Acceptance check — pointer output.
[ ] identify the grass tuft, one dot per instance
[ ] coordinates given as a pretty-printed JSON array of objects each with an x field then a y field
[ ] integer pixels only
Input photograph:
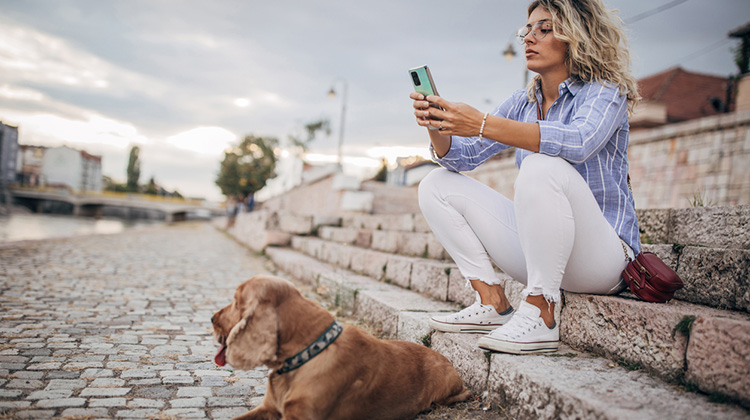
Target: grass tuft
[{"x": 685, "y": 325}]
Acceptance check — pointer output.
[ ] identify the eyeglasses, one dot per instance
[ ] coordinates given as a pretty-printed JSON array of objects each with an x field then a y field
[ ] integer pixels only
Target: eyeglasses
[{"x": 539, "y": 30}]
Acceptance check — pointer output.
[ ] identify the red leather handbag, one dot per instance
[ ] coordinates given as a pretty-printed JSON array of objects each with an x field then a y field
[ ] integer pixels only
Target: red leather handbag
[{"x": 650, "y": 279}]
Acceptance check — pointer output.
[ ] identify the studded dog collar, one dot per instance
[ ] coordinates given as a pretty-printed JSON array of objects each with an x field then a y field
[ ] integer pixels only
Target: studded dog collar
[{"x": 314, "y": 349}]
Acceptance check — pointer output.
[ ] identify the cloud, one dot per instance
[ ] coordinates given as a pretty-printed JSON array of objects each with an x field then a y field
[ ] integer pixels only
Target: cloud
[
  {"x": 203, "y": 140},
  {"x": 53, "y": 130},
  {"x": 29, "y": 56}
]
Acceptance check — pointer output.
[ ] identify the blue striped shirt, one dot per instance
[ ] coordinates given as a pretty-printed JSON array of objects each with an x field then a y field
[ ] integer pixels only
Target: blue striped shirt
[{"x": 587, "y": 126}]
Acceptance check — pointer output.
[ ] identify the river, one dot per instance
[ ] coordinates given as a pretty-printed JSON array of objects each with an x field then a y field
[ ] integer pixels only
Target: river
[{"x": 24, "y": 226}]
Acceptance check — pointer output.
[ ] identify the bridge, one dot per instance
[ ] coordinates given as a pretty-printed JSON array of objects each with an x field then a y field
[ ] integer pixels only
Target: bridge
[{"x": 123, "y": 205}]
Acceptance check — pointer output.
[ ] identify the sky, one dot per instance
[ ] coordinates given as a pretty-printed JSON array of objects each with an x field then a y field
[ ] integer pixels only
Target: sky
[{"x": 183, "y": 80}]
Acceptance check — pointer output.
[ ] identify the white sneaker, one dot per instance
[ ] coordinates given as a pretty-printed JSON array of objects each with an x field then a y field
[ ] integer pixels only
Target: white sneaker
[
  {"x": 525, "y": 333},
  {"x": 477, "y": 318}
]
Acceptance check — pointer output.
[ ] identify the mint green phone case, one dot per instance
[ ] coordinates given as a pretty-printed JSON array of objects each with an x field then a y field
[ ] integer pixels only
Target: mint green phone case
[
  {"x": 421, "y": 78},
  {"x": 423, "y": 82}
]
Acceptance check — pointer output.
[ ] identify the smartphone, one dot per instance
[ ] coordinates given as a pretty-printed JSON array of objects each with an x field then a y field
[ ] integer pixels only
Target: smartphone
[{"x": 421, "y": 78}]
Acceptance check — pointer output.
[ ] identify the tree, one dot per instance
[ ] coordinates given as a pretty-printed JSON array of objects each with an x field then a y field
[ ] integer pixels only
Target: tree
[
  {"x": 151, "y": 187},
  {"x": 246, "y": 167},
  {"x": 382, "y": 175},
  {"x": 311, "y": 129},
  {"x": 134, "y": 169}
]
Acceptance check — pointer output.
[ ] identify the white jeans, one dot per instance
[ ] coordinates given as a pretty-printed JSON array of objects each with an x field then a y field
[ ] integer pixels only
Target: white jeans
[{"x": 552, "y": 236}]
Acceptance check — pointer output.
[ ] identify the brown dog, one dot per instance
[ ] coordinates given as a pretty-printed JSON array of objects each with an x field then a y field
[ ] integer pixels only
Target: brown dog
[{"x": 356, "y": 377}]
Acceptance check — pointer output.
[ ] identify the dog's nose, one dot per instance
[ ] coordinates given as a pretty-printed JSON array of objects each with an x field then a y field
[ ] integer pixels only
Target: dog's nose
[{"x": 212, "y": 318}]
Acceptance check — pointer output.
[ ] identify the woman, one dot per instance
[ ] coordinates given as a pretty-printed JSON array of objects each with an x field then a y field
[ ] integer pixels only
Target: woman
[{"x": 572, "y": 222}]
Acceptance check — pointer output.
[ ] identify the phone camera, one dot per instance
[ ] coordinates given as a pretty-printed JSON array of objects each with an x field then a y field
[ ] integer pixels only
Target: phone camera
[{"x": 415, "y": 77}]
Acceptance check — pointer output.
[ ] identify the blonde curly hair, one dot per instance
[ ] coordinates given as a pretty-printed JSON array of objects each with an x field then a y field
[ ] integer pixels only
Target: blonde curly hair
[{"x": 597, "y": 47}]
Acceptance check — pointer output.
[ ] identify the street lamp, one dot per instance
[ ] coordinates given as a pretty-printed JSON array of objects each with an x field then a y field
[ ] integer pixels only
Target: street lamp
[
  {"x": 332, "y": 94},
  {"x": 509, "y": 52}
]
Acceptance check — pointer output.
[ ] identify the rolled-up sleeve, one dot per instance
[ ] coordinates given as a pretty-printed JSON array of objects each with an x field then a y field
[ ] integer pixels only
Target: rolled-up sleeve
[
  {"x": 466, "y": 153},
  {"x": 601, "y": 112}
]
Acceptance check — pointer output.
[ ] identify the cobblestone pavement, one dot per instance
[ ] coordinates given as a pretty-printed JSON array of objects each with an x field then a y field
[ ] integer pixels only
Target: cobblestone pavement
[{"x": 118, "y": 326}]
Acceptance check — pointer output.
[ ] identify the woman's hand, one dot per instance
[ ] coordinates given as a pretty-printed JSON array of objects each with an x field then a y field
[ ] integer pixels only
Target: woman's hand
[{"x": 455, "y": 118}]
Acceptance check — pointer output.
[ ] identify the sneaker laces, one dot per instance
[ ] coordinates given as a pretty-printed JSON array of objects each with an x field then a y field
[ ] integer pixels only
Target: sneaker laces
[
  {"x": 519, "y": 325},
  {"x": 475, "y": 309}
]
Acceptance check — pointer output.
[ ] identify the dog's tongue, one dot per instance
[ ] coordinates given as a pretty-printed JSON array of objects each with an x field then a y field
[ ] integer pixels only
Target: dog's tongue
[{"x": 221, "y": 358}]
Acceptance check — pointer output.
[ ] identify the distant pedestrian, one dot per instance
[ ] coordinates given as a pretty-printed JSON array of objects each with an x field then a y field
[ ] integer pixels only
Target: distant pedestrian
[
  {"x": 231, "y": 210},
  {"x": 572, "y": 222}
]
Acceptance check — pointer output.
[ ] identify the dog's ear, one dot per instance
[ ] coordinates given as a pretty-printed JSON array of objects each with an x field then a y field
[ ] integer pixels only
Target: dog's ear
[{"x": 252, "y": 342}]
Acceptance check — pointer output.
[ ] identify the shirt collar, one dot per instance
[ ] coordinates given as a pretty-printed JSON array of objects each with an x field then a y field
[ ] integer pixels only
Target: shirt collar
[{"x": 571, "y": 84}]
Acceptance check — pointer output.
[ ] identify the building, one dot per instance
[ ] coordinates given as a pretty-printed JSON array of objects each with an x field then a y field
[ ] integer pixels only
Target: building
[
  {"x": 410, "y": 171},
  {"x": 8, "y": 153},
  {"x": 677, "y": 95},
  {"x": 64, "y": 167},
  {"x": 29, "y": 165}
]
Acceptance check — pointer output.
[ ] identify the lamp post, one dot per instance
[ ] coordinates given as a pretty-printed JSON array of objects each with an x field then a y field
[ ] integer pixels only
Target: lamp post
[
  {"x": 332, "y": 94},
  {"x": 510, "y": 54}
]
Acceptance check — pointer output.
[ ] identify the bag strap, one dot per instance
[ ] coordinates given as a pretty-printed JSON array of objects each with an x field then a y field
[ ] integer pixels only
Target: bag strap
[{"x": 624, "y": 249}]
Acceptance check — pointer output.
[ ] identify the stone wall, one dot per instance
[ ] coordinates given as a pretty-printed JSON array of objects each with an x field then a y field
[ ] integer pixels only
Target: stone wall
[
  {"x": 700, "y": 160},
  {"x": 328, "y": 197},
  {"x": 672, "y": 166},
  {"x": 319, "y": 197}
]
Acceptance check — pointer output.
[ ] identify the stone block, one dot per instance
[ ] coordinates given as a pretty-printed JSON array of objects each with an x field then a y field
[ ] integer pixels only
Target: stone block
[
  {"x": 336, "y": 254},
  {"x": 381, "y": 308},
  {"x": 435, "y": 249},
  {"x": 413, "y": 326},
  {"x": 514, "y": 291},
  {"x": 345, "y": 182},
  {"x": 368, "y": 262},
  {"x": 412, "y": 244},
  {"x": 344, "y": 287},
  {"x": 420, "y": 224},
  {"x": 471, "y": 362},
  {"x": 397, "y": 222},
  {"x": 325, "y": 220},
  {"x": 364, "y": 238},
  {"x": 458, "y": 290},
  {"x": 398, "y": 270},
  {"x": 718, "y": 227},
  {"x": 289, "y": 222},
  {"x": 386, "y": 241},
  {"x": 357, "y": 221},
  {"x": 328, "y": 233},
  {"x": 665, "y": 252},
  {"x": 573, "y": 385},
  {"x": 718, "y": 356},
  {"x": 653, "y": 225},
  {"x": 637, "y": 332},
  {"x": 310, "y": 246},
  {"x": 357, "y": 201},
  {"x": 274, "y": 238},
  {"x": 430, "y": 278},
  {"x": 715, "y": 277}
]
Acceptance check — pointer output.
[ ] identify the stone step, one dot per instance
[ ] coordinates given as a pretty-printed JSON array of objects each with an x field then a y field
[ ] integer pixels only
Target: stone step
[
  {"x": 262, "y": 228},
  {"x": 677, "y": 341},
  {"x": 712, "y": 276},
  {"x": 717, "y": 277},
  {"x": 571, "y": 384},
  {"x": 402, "y": 314},
  {"x": 622, "y": 328},
  {"x": 425, "y": 276},
  {"x": 715, "y": 227},
  {"x": 397, "y": 222}
]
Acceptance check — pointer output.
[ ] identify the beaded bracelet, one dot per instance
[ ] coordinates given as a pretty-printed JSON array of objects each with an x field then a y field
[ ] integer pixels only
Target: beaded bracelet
[{"x": 481, "y": 129}]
